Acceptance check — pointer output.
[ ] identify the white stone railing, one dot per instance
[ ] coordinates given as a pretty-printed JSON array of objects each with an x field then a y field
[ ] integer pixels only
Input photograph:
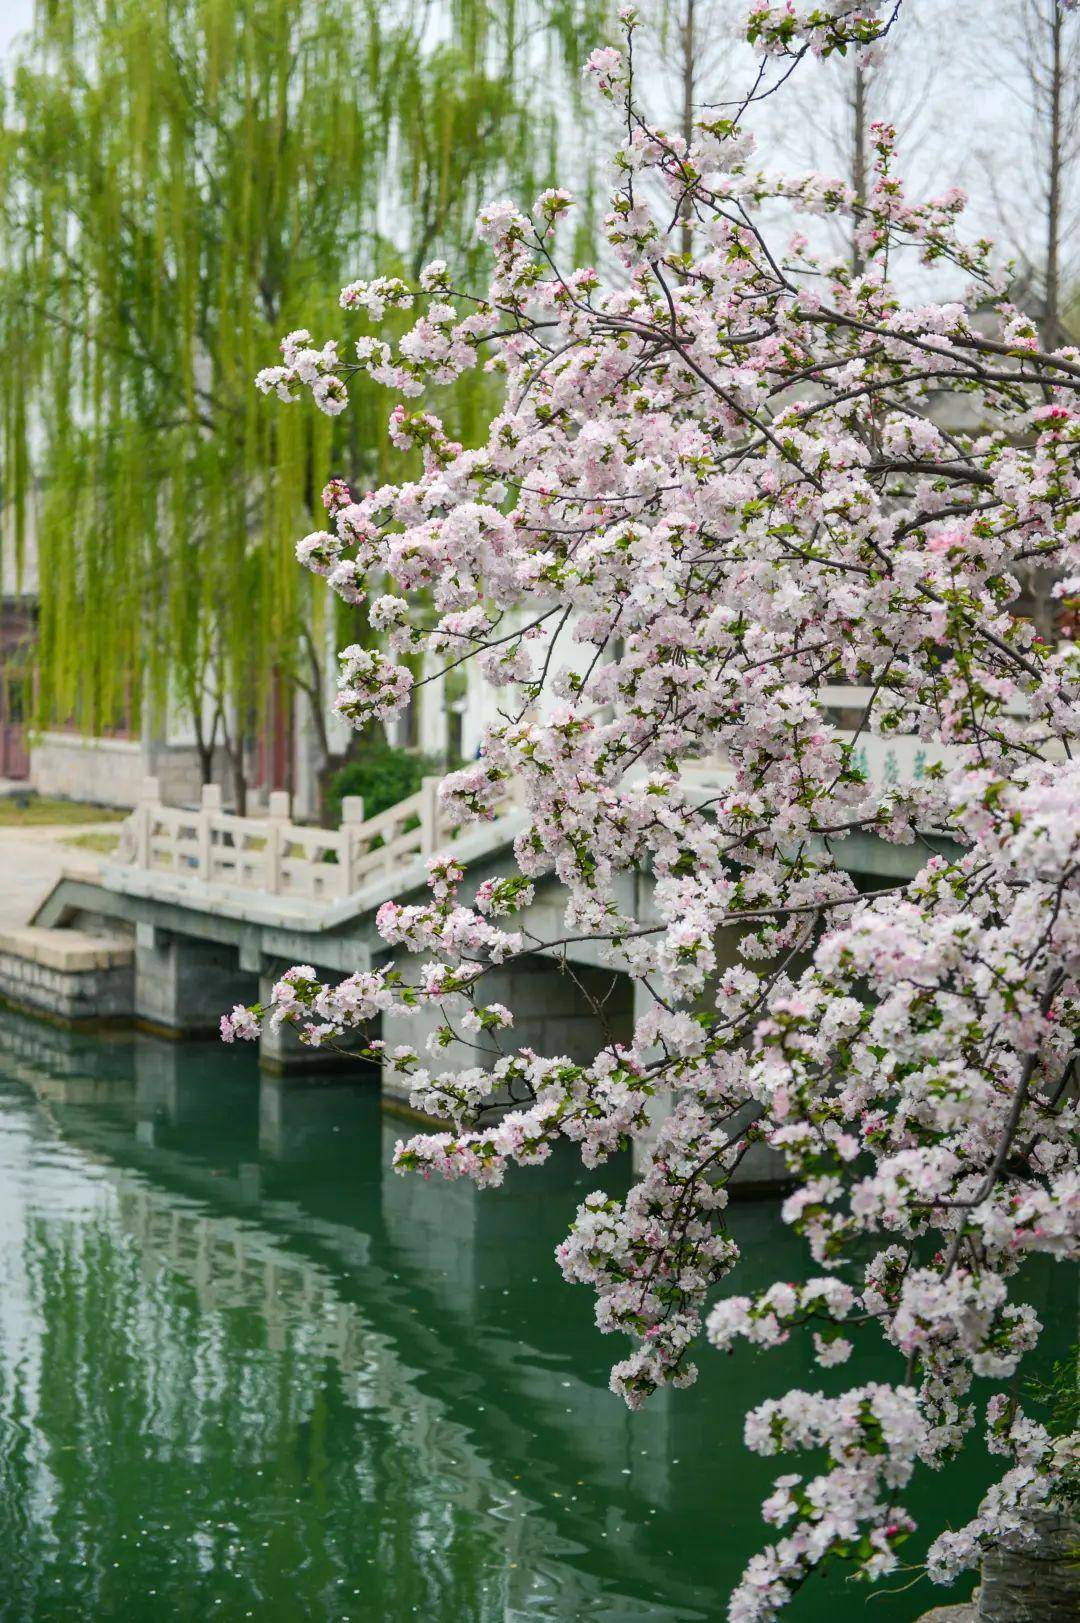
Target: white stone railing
[{"x": 275, "y": 855}]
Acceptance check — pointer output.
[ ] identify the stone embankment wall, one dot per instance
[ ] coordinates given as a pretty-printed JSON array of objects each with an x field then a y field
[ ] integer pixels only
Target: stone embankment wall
[{"x": 65, "y": 975}]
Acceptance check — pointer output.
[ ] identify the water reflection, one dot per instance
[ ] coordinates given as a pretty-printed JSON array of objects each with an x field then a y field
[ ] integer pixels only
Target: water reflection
[{"x": 245, "y": 1371}]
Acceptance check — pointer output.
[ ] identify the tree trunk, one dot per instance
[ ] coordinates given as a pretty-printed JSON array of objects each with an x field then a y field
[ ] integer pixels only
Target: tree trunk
[
  {"x": 239, "y": 778},
  {"x": 858, "y": 156},
  {"x": 205, "y": 747},
  {"x": 331, "y": 764},
  {"x": 689, "y": 77},
  {"x": 1051, "y": 333},
  {"x": 1040, "y": 1584},
  {"x": 234, "y": 752}
]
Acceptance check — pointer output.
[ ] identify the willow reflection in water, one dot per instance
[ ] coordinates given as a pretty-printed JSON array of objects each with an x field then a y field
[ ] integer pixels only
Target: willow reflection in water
[{"x": 245, "y": 1371}]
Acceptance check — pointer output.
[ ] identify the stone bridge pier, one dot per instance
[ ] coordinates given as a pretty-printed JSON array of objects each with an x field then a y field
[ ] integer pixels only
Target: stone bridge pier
[
  {"x": 185, "y": 983},
  {"x": 761, "y": 1169},
  {"x": 212, "y": 908}
]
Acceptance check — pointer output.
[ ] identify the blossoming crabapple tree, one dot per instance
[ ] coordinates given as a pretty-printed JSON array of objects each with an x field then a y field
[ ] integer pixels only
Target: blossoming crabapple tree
[{"x": 717, "y": 486}]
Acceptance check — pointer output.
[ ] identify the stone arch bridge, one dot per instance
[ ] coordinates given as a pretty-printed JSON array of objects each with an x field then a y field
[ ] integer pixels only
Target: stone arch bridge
[{"x": 201, "y": 909}]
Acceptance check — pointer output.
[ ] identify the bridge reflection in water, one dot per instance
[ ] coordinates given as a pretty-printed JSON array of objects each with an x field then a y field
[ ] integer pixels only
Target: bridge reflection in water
[{"x": 245, "y": 1371}]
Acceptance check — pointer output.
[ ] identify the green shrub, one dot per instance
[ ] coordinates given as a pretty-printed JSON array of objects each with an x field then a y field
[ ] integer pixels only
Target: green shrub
[{"x": 382, "y": 775}]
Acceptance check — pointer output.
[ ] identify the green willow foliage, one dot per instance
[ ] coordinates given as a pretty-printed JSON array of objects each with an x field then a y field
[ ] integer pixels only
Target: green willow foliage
[{"x": 180, "y": 182}]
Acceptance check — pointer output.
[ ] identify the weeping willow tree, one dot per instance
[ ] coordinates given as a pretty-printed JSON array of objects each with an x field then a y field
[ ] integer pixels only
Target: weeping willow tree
[{"x": 181, "y": 181}]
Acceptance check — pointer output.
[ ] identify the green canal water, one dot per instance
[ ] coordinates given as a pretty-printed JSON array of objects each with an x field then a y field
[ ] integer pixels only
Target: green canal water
[{"x": 248, "y": 1372}]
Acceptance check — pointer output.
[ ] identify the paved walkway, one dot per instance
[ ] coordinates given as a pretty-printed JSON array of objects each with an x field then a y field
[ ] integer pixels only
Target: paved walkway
[{"x": 32, "y": 860}]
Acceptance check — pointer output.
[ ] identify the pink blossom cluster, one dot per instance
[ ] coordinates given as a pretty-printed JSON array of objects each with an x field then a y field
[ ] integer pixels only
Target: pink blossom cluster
[
  {"x": 872, "y": 1437},
  {"x": 1005, "y": 1515},
  {"x": 371, "y": 686},
  {"x": 717, "y": 487},
  {"x": 303, "y": 366},
  {"x": 769, "y": 1319},
  {"x": 789, "y": 28}
]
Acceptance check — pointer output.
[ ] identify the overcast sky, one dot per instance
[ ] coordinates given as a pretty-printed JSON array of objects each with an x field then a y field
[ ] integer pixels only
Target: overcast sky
[
  {"x": 15, "y": 15},
  {"x": 952, "y": 92}
]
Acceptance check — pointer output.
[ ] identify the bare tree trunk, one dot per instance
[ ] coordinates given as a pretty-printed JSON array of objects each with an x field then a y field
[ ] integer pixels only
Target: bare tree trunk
[
  {"x": 330, "y": 760},
  {"x": 858, "y": 156},
  {"x": 1051, "y": 333},
  {"x": 234, "y": 750},
  {"x": 205, "y": 746},
  {"x": 239, "y": 780},
  {"x": 689, "y": 85},
  {"x": 314, "y": 691}
]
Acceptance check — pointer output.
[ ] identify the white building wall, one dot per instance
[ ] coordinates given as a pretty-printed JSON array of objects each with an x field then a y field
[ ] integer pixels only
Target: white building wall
[
  {"x": 432, "y": 731},
  {"x": 107, "y": 771}
]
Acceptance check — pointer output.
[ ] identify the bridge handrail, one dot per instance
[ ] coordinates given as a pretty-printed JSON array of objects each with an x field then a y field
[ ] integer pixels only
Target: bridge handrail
[
  {"x": 274, "y": 855},
  {"x": 271, "y": 853}
]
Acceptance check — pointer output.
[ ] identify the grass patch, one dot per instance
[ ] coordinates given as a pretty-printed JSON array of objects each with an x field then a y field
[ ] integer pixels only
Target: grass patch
[
  {"x": 104, "y": 844},
  {"x": 37, "y": 811}
]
